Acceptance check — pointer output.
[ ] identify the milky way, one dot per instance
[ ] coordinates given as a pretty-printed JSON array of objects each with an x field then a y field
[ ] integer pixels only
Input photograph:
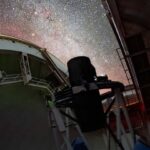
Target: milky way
[{"x": 67, "y": 28}]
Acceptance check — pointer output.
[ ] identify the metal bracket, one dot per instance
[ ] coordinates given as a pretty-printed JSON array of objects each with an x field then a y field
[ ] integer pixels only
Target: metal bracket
[{"x": 25, "y": 68}]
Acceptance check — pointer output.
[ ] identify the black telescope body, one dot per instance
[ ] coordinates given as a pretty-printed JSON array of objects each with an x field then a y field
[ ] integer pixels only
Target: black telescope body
[{"x": 87, "y": 104}]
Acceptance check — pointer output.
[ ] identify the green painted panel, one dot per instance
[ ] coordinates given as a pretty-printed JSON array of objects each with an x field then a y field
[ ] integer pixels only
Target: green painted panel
[
  {"x": 24, "y": 119},
  {"x": 10, "y": 63}
]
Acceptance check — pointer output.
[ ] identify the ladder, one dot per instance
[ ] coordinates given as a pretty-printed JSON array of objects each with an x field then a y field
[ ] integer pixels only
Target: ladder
[{"x": 124, "y": 65}]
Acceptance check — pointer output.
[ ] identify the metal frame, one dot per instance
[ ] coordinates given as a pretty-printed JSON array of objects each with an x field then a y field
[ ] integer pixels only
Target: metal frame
[
  {"x": 120, "y": 128},
  {"x": 119, "y": 102},
  {"x": 60, "y": 126}
]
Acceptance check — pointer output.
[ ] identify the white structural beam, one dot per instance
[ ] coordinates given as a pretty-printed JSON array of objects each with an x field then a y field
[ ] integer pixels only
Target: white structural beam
[
  {"x": 10, "y": 79},
  {"x": 25, "y": 68}
]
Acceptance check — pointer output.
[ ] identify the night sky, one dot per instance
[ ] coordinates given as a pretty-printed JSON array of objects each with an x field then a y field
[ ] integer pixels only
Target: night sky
[{"x": 66, "y": 28}]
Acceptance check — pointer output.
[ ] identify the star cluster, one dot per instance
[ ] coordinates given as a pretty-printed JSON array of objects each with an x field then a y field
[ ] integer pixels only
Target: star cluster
[{"x": 67, "y": 28}]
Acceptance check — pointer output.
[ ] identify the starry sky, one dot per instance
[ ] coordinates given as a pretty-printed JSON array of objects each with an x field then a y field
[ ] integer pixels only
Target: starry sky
[{"x": 66, "y": 28}]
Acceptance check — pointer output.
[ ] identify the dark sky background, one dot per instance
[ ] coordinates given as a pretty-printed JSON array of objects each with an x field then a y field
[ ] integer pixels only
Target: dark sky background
[{"x": 67, "y": 28}]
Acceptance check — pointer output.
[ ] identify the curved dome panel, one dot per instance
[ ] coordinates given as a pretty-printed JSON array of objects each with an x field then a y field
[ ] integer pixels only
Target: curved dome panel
[{"x": 14, "y": 44}]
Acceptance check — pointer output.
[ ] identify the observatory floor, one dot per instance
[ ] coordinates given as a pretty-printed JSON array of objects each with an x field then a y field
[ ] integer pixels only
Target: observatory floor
[{"x": 98, "y": 141}]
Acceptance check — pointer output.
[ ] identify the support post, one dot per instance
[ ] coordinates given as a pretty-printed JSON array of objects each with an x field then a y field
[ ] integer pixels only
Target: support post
[{"x": 120, "y": 128}]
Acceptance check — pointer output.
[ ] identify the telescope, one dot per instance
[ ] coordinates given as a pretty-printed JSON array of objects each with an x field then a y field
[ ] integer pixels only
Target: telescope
[{"x": 83, "y": 97}]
